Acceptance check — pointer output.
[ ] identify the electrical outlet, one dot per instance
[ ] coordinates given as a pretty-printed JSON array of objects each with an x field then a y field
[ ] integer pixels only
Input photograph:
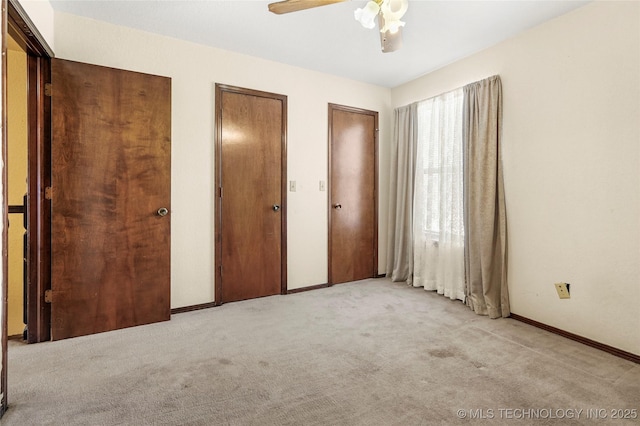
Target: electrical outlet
[{"x": 563, "y": 290}]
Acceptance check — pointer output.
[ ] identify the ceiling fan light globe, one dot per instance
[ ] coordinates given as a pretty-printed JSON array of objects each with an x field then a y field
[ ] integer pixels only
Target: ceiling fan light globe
[
  {"x": 367, "y": 15},
  {"x": 394, "y": 10}
]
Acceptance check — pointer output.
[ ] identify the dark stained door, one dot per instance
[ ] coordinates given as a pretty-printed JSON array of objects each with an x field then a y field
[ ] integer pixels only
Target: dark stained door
[
  {"x": 111, "y": 160},
  {"x": 251, "y": 225},
  {"x": 353, "y": 214}
]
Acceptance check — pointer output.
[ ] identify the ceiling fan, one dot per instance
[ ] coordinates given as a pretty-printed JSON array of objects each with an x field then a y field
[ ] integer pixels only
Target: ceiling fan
[{"x": 388, "y": 12}]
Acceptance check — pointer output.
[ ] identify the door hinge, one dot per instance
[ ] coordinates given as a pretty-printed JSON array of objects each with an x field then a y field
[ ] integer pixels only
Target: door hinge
[
  {"x": 47, "y": 89},
  {"x": 47, "y": 296},
  {"x": 48, "y": 193},
  {"x": 220, "y": 192}
]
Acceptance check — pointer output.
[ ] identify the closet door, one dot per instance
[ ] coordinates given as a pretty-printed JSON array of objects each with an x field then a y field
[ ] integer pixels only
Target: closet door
[
  {"x": 353, "y": 196},
  {"x": 251, "y": 159}
]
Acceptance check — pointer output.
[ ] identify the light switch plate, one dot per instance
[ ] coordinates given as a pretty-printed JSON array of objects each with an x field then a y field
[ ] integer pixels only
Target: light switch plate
[
  {"x": 322, "y": 185},
  {"x": 292, "y": 185}
]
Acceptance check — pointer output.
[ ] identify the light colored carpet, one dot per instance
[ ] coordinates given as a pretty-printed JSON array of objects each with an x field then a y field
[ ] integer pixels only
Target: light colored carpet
[{"x": 365, "y": 353}]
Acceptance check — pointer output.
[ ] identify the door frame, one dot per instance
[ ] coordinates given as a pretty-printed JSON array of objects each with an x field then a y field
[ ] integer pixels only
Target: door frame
[
  {"x": 16, "y": 22},
  {"x": 39, "y": 56},
  {"x": 218, "y": 194},
  {"x": 374, "y": 114}
]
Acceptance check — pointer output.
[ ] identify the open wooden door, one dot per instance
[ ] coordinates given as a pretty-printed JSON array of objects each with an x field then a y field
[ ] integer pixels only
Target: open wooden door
[{"x": 110, "y": 199}]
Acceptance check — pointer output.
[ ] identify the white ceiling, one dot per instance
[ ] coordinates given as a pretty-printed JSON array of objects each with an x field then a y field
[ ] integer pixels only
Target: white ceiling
[{"x": 328, "y": 39}]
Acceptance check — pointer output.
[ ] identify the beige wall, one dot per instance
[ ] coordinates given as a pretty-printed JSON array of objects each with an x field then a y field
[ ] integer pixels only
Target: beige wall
[
  {"x": 194, "y": 70},
  {"x": 16, "y": 180},
  {"x": 571, "y": 154}
]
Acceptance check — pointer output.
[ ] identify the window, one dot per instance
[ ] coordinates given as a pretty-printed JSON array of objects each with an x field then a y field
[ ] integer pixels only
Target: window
[{"x": 438, "y": 202}]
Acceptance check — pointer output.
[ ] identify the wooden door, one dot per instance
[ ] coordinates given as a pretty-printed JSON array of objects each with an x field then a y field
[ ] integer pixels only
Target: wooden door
[
  {"x": 353, "y": 196},
  {"x": 251, "y": 212},
  {"x": 111, "y": 160}
]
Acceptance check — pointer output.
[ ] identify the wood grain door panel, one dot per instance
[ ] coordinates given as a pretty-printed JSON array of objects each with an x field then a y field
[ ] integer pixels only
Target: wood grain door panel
[
  {"x": 251, "y": 129},
  {"x": 353, "y": 194},
  {"x": 111, "y": 172}
]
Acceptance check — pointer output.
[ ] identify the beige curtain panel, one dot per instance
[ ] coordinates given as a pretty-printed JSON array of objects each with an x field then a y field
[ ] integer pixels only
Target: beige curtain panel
[
  {"x": 485, "y": 230},
  {"x": 485, "y": 212},
  {"x": 401, "y": 192}
]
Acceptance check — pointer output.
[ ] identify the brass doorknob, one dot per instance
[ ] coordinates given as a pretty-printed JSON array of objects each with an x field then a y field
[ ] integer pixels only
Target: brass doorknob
[
  {"x": 337, "y": 206},
  {"x": 163, "y": 211}
]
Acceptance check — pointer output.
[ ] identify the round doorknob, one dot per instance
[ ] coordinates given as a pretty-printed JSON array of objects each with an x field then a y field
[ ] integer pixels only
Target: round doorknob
[
  {"x": 337, "y": 206},
  {"x": 163, "y": 211},
  {"x": 276, "y": 207}
]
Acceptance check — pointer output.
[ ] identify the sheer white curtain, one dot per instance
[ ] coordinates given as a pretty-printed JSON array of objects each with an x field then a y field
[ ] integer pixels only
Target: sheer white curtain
[{"x": 438, "y": 225}]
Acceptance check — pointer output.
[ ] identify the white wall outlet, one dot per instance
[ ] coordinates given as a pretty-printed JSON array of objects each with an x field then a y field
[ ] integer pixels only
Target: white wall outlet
[
  {"x": 322, "y": 185},
  {"x": 292, "y": 185},
  {"x": 563, "y": 290}
]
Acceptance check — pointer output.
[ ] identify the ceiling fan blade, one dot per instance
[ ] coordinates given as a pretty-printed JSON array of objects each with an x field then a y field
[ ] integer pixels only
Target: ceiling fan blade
[{"x": 288, "y": 6}]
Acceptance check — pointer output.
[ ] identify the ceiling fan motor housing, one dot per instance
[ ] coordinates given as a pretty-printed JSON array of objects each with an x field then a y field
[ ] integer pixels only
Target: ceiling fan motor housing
[{"x": 389, "y": 42}]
